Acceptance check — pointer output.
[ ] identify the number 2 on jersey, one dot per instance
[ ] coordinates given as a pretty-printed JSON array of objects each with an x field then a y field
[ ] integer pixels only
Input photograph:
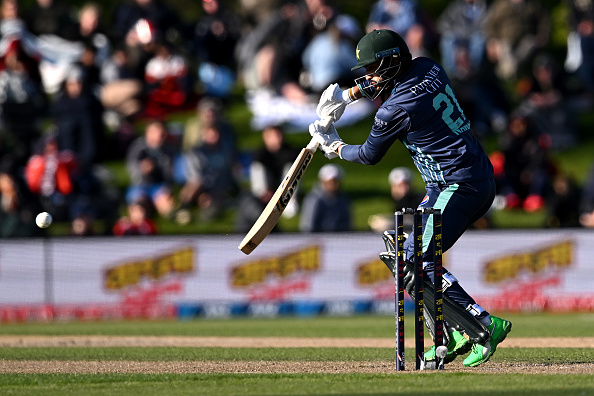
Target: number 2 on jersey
[{"x": 447, "y": 98}]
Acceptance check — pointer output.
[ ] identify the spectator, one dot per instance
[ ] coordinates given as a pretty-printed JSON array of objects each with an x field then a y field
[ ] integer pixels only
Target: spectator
[
  {"x": 137, "y": 23},
  {"x": 580, "y": 43},
  {"x": 18, "y": 207},
  {"x": 138, "y": 220},
  {"x": 326, "y": 208},
  {"x": 460, "y": 29},
  {"x": 562, "y": 203},
  {"x": 210, "y": 180},
  {"x": 167, "y": 84},
  {"x": 149, "y": 163},
  {"x": 209, "y": 112},
  {"x": 49, "y": 17},
  {"x": 328, "y": 56},
  {"x": 271, "y": 163},
  {"x": 405, "y": 18},
  {"x": 79, "y": 118},
  {"x": 401, "y": 190},
  {"x": 50, "y": 175},
  {"x": 269, "y": 166},
  {"x": 160, "y": 16},
  {"x": 547, "y": 100},
  {"x": 122, "y": 91},
  {"x": 213, "y": 43},
  {"x": 139, "y": 47},
  {"x": 12, "y": 26},
  {"x": 22, "y": 97},
  {"x": 527, "y": 168},
  {"x": 92, "y": 71},
  {"x": 516, "y": 30},
  {"x": 404, "y": 196},
  {"x": 88, "y": 30},
  {"x": 82, "y": 225},
  {"x": 216, "y": 33},
  {"x": 68, "y": 189},
  {"x": 22, "y": 101}
]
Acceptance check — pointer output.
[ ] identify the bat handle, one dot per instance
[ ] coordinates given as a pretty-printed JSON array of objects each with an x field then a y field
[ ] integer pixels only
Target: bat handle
[
  {"x": 313, "y": 143},
  {"x": 326, "y": 122}
]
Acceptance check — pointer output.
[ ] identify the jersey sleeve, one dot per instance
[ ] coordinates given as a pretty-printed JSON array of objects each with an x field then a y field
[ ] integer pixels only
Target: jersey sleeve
[{"x": 390, "y": 123}]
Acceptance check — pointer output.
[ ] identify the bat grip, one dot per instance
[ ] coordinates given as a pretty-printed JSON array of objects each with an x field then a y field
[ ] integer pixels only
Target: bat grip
[
  {"x": 313, "y": 143},
  {"x": 326, "y": 122}
]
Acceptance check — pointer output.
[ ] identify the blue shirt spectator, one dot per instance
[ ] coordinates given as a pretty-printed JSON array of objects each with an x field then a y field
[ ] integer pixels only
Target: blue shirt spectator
[
  {"x": 328, "y": 56},
  {"x": 150, "y": 165}
]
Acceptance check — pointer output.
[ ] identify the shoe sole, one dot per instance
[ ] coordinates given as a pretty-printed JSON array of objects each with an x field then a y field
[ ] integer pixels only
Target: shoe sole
[{"x": 492, "y": 351}]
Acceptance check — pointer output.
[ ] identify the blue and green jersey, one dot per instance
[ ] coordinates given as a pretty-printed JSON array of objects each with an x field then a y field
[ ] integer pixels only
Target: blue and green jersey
[{"x": 422, "y": 111}]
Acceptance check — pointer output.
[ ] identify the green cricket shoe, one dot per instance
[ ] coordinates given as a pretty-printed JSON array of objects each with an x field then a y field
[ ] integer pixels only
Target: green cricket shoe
[
  {"x": 458, "y": 345},
  {"x": 498, "y": 330}
]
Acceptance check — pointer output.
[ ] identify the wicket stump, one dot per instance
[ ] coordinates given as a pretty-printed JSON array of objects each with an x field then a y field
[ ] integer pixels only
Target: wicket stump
[{"x": 418, "y": 285}]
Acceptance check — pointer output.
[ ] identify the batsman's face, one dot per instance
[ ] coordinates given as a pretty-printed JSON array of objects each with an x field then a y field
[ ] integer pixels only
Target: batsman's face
[
  {"x": 380, "y": 72},
  {"x": 372, "y": 76},
  {"x": 377, "y": 76},
  {"x": 371, "y": 73}
]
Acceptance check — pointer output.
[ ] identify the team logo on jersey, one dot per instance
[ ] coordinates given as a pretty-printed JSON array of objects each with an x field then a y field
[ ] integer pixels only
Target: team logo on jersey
[
  {"x": 424, "y": 201},
  {"x": 378, "y": 123}
]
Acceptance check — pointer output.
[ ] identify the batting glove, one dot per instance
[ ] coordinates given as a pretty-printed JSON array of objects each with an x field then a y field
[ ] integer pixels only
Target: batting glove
[
  {"x": 329, "y": 141},
  {"x": 331, "y": 103}
]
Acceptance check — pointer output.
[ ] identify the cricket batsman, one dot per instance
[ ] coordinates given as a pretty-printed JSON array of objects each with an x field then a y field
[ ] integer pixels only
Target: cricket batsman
[{"x": 420, "y": 109}]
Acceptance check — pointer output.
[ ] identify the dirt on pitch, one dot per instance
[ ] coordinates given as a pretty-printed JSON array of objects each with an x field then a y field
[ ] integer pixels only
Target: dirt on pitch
[{"x": 184, "y": 367}]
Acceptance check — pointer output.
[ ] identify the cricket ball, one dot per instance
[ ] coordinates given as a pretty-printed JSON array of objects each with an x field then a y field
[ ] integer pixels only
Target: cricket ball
[
  {"x": 441, "y": 351},
  {"x": 43, "y": 220}
]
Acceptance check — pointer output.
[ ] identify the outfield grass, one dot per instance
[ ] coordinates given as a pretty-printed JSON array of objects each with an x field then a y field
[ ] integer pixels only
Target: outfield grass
[
  {"x": 296, "y": 384},
  {"x": 524, "y": 325},
  {"x": 444, "y": 383}
]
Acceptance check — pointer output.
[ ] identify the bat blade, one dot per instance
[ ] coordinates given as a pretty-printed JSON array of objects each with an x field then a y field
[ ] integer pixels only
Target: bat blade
[{"x": 279, "y": 201}]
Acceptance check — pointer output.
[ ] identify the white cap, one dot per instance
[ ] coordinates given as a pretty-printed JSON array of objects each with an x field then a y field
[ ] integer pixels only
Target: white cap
[
  {"x": 329, "y": 172},
  {"x": 398, "y": 175}
]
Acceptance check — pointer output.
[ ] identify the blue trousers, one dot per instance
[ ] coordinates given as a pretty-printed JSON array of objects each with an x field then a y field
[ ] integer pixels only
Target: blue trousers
[{"x": 461, "y": 205}]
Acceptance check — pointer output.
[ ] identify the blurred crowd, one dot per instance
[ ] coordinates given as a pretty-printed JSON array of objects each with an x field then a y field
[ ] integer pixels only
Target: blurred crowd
[{"x": 81, "y": 87}]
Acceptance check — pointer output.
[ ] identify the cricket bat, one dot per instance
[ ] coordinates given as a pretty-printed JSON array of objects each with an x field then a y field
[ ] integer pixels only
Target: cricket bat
[{"x": 279, "y": 201}]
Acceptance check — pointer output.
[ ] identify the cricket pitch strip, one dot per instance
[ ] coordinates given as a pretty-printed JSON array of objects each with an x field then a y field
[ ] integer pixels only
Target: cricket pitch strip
[{"x": 187, "y": 367}]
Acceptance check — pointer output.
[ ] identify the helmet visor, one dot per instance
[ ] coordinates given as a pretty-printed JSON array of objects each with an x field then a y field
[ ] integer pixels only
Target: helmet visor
[{"x": 371, "y": 88}]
